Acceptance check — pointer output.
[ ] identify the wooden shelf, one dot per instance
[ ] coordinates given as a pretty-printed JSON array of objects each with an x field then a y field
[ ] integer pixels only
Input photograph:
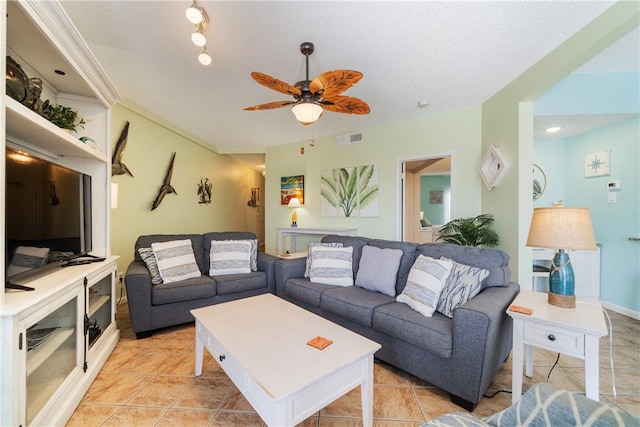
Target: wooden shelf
[
  {"x": 41, "y": 353},
  {"x": 30, "y": 127}
]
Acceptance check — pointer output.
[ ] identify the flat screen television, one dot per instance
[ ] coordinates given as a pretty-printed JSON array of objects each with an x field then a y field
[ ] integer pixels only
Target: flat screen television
[{"x": 47, "y": 216}]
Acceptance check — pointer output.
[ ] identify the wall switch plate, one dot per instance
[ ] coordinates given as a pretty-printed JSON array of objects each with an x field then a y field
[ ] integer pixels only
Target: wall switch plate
[{"x": 611, "y": 198}]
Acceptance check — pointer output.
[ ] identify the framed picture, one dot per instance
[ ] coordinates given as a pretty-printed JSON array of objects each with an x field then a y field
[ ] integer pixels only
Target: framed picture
[
  {"x": 290, "y": 187},
  {"x": 597, "y": 164},
  {"x": 435, "y": 197}
]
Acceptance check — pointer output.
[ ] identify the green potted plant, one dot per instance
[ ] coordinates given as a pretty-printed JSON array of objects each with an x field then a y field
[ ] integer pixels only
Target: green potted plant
[
  {"x": 470, "y": 232},
  {"x": 65, "y": 117}
]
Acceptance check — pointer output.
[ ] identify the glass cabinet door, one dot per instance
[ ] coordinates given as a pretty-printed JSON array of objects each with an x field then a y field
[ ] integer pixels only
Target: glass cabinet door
[
  {"x": 51, "y": 355},
  {"x": 99, "y": 314}
]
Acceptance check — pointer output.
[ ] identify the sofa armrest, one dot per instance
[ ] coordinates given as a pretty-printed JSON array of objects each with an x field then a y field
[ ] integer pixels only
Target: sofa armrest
[
  {"x": 482, "y": 339},
  {"x": 286, "y": 269},
  {"x": 137, "y": 281},
  {"x": 266, "y": 264}
]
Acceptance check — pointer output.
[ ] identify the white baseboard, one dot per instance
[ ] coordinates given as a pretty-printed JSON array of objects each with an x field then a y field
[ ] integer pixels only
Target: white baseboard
[{"x": 621, "y": 310}]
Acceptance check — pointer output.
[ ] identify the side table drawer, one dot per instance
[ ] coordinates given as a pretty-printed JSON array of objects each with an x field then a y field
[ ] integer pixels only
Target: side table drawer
[{"x": 554, "y": 339}]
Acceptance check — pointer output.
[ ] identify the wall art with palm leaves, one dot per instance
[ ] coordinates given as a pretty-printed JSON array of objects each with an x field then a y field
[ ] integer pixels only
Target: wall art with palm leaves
[{"x": 350, "y": 192}]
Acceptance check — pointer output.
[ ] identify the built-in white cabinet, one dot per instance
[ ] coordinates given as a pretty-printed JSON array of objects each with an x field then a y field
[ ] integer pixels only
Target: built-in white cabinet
[
  {"x": 55, "y": 340},
  {"x": 586, "y": 270}
]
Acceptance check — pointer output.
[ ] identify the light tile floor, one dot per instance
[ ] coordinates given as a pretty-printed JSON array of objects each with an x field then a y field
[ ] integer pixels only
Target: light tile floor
[{"x": 151, "y": 382}]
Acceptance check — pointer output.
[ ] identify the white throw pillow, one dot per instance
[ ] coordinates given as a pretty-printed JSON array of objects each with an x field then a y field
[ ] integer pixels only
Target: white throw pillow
[
  {"x": 463, "y": 283},
  {"x": 175, "y": 260},
  {"x": 426, "y": 279},
  {"x": 27, "y": 258},
  {"x": 229, "y": 257},
  {"x": 378, "y": 269},
  {"x": 309, "y": 253},
  {"x": 332, "y": 266},
  {"x": 149, "y": 259}
]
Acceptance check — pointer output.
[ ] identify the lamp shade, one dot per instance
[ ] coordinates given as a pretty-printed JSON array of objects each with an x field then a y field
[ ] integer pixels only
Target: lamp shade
[
  {"x": 561, "y": 228},
  {"x": 294, "y": 203},
  {"x": 307, "y": 112}
]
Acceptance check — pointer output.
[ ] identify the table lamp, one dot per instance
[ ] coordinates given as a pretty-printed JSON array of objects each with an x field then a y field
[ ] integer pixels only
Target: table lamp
[
  {"x": 561, "y": 228},
  {"x": 294, "y": 203}
]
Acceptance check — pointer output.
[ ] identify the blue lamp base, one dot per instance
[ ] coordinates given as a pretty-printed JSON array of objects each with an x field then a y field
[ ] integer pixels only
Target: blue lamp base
[{"x": 561, "y": 281}]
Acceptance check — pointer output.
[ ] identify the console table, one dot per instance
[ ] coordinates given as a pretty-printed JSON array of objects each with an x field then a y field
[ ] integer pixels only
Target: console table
[
  {"x": 322, "y": 231},
  {"x": 572, "y": 331}
]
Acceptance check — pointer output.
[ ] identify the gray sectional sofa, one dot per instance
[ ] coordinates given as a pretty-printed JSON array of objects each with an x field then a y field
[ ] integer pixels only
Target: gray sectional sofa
[
  {"x": 460, "y": 354},
  {"x": 167, "y": 304}
]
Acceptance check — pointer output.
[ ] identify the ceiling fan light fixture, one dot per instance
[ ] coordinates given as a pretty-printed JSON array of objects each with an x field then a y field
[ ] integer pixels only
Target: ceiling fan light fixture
[
  {"x": 204, "y": 57},
  {"x": 195, "y": 14},
  {"x": 198, "y": 38},
  {"x": 307, "y": 112}
]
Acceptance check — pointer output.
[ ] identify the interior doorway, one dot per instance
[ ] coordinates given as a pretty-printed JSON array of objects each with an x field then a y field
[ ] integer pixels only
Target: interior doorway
[{"x": 426, "y": 188}]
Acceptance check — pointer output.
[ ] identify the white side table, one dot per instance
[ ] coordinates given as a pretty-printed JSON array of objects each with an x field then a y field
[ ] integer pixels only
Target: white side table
[
  {"x": 322, "y": 231},
  {"x": 572, "y": 331}
]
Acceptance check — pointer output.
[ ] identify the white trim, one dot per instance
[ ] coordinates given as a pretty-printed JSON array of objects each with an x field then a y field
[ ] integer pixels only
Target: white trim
[{"x": 621, "y": 310}]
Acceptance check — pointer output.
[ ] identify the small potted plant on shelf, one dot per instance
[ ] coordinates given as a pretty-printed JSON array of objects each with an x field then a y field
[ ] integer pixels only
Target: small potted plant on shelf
[{"x": 65, "y": 117}]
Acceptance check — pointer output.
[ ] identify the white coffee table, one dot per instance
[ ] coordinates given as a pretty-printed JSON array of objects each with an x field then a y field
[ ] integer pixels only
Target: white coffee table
[{"x": 261, "y": 343}]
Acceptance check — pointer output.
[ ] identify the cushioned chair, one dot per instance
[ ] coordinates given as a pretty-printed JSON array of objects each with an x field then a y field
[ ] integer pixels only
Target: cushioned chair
[{"x": 545, "y": 405}]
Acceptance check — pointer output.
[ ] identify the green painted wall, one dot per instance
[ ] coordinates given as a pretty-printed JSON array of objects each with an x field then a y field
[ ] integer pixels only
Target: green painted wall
[
  {"x": 150, "y": 145},
  {"x": 386, "y": 146},
  {"x": 434, "y": 212}
]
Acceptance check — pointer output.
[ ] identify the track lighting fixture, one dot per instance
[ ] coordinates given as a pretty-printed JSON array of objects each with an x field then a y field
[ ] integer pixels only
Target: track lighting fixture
[{"x": 198, "y": 17}]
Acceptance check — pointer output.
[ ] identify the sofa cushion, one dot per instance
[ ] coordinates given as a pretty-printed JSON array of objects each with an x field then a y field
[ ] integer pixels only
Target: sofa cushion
[
  {"x": 233, "y": 283},
  {"x": 353, "y": 303},
  {"x": 355, "y": 242},
  {"x": 424, "y": 285},
  {"x": 463, "y": 283},
  {"x": 230, "y": 257},
  {"x": 331, "y": 266},
  {"x": 310, "y": 254},
  {"x": 306, "y": 291},
  {"x": 378, "y": 269},
  {"x": 406, "y": 262},
  {"x": 184, "y": 290},
  {"x": 197, "y": 245},
  {"x": 150, "y": 261},
  {"x": 434, "y": 334},
  {"x": 494, "y": 260},
  {"x": 176, "y": 260}
]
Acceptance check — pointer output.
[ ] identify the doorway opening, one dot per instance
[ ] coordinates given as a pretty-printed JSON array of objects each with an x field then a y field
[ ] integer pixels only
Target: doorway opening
[{"x": 425, "y": 189}]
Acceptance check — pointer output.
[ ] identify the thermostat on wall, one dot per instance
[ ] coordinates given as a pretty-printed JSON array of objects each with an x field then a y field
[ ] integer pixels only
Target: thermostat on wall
[{"x": 613, "y": 185}]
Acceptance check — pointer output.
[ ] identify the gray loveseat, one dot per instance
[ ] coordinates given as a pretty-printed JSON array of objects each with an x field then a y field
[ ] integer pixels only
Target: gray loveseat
[
  {"x": 460, "y": 354},
  {"x": 167, "y": 304}
]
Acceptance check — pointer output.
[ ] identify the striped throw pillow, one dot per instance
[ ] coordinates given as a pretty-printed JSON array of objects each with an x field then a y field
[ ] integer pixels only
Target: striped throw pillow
[
  {"x": 149, "y": 259},
  {"x": 27, "y": 258},
  {"x": 230, "y": 257},
  {"x": 332, "y": 266},
  {"x": 309, "y": 253},
  {"x": 426, "y": 279},
  {"x": 175, "y": 260},
  {"x": 463, "y": 283}
]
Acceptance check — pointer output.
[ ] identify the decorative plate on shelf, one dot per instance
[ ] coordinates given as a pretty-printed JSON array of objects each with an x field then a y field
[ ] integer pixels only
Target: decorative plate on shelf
[{"x": 597, "y": 164}]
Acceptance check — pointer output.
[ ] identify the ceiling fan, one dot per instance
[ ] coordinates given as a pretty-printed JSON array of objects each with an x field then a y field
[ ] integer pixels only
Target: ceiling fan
[{"x": 311, "y": 97}]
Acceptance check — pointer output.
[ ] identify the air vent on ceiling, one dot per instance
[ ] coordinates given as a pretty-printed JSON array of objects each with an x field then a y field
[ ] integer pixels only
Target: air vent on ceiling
[{"x": 351, "y": 138}]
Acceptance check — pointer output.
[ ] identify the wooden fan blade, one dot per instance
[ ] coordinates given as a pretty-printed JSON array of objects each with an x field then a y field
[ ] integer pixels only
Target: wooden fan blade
[
  {"x": 332, "y": 83},
  {"x": 270, "y": 105},
  {"x": 275, "y": 84},
  {"x": 345, "y": 104}
]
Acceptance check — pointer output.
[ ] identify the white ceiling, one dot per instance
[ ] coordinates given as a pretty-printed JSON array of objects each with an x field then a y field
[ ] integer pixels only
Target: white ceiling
[{"x": 451, "y": 54}]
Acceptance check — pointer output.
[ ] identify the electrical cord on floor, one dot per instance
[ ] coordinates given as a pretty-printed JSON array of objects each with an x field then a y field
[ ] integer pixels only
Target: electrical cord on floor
[
  {"x": 121, "y": 291},
  {"x": 554, "y": 365},
  {"x": 491, "y": 396}
]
